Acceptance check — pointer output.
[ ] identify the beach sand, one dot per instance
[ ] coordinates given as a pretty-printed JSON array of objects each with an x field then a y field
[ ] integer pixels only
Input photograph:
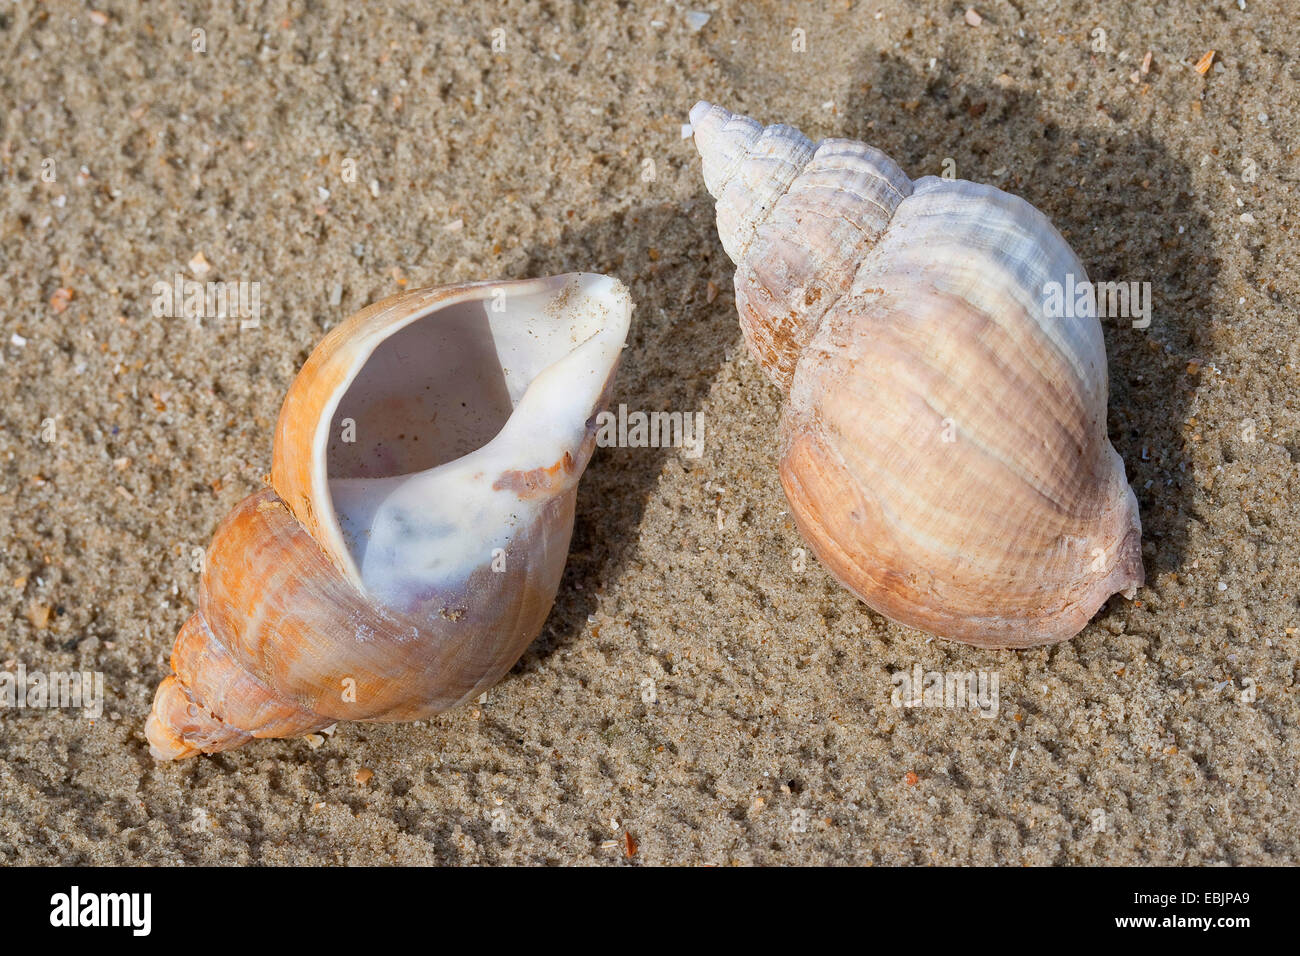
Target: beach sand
[{"x": 1166, "y": 732}]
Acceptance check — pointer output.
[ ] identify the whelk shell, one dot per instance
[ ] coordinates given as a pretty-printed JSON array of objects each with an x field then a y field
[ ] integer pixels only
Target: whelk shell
[
  {"x": 943, "y": 438},
  {"x": 425, "y": 470}
]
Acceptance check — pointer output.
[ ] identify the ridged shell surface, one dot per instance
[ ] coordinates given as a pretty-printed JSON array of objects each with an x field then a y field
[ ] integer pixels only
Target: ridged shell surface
[{"x": 943, "y": 438}]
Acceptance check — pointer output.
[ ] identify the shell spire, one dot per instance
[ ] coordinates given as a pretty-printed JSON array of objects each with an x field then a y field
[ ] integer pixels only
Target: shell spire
[
  {"x": 747, "y": 167},
  {"x": 769, "y": 182}
]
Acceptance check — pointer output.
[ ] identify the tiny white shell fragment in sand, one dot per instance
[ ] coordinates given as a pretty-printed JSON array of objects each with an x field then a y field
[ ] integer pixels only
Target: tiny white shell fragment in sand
[{"x": 696, "y": 20}]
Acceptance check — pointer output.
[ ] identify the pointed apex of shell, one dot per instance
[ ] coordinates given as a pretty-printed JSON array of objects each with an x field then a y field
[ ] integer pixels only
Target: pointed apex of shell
[
  {"x": 723, "y": 139},
  {"x": 747, "y": 168},
  {"x": 700, "y": 109}
]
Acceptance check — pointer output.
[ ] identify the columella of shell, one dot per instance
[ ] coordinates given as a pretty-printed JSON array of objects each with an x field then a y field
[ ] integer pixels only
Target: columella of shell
[{"x": 943, "y": 434}]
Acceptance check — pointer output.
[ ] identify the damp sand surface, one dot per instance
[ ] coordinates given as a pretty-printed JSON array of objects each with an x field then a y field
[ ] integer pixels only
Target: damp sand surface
[{"x": 691, "y": 688}]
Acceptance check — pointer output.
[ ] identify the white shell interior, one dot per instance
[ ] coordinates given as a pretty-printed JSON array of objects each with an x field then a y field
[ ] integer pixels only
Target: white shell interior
[{"x": 503, "y": 379}]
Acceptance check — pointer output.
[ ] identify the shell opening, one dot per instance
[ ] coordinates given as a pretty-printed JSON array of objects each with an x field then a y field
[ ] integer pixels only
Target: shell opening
[
  {"x": 433, "y": 392},
  {"x": 499, "y": 381}
]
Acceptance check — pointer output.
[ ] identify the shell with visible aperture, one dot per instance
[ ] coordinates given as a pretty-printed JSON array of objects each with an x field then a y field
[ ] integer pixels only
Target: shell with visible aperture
[{"x": 424, "y": 476}]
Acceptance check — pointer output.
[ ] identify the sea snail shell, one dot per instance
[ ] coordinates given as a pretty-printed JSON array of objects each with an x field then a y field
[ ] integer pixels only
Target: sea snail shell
[
  {"x": 399, "y": 573},
  {"x": 943, "y": 439}
]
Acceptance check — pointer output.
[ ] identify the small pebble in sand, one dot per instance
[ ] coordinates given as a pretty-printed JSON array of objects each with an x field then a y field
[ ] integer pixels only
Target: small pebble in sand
[
  {"x": 696, "y": 20},
  {"x": 973, "y": 17},
  {"x": 59, "y": 301},
  {"x": 39, "y": 615},
  {"x": 363, "y": 776},
  {"x": 314, "y": 740},
  {"x": 456, "y": 225},
  {"x": 199, "y": 265},
  {"x": 1204, "y": 63}
]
